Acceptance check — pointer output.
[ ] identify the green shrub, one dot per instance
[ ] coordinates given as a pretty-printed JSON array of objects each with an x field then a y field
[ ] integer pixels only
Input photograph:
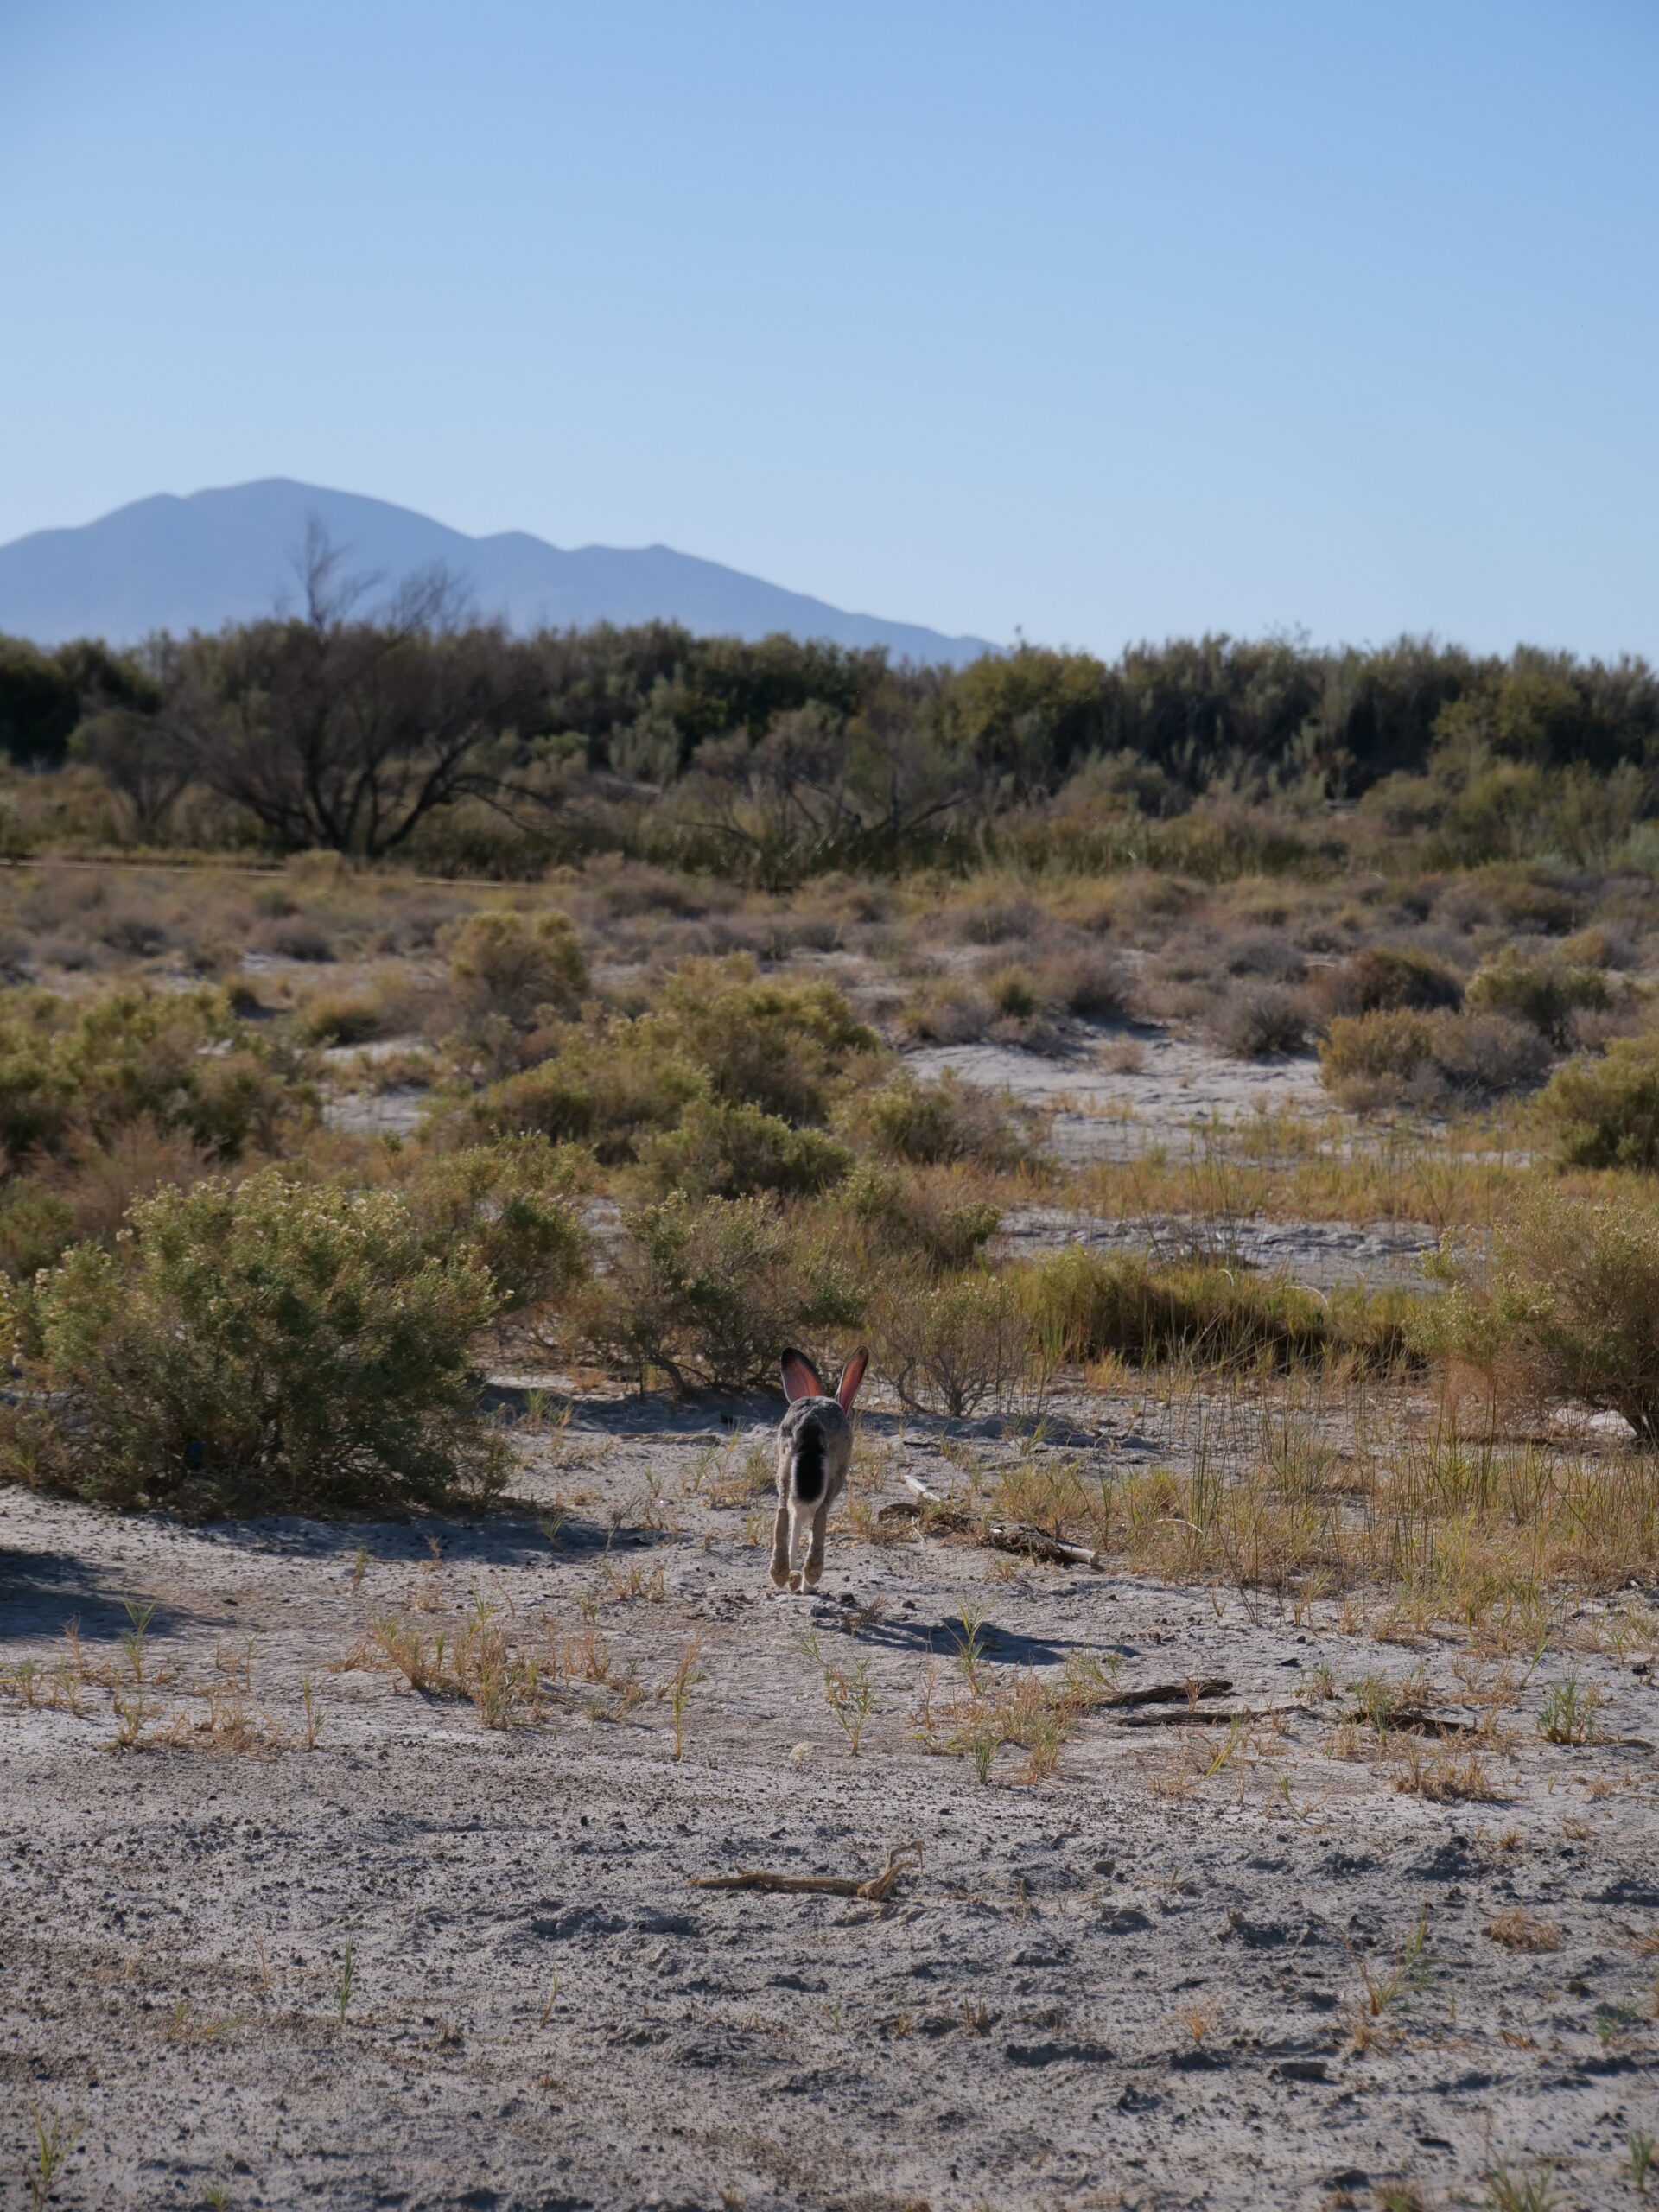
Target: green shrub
[
  {"x": 265, "y": 1346},
  {"x": 709, "y": 1293},
  {"x": 930, "y": 1218},
  {"x": 608, "y": 1087},
  {"x": 1376, "y": 1046},
  {"x": 724, "y": 1150},
  {"x": 514, "y": 967},
  {"x": 719, "y": 1035},
  {"x": 1014, "y": 993},
  {"x": 509, "y": 1204},
  {"x": 1085, "y": 1306},
  {"x": 1543, "y": 993},
  {"x": 1566, "y": 1305},
  {"x": 933, "y": 1122},
  {"x": 178, "y": 1060},
  {"x": 36, "y": 1224},
  {"x": 1604, "y": 1113},
  {"x": 952, "y": 1346},
  {"x": 775, "y": 1046}
]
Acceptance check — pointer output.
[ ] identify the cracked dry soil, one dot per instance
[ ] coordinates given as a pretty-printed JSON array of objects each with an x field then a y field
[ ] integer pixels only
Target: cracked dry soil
[{"x": 1128, "y": 1982}]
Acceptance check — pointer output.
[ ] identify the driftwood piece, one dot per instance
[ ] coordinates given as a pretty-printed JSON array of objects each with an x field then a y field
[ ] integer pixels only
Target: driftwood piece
[
  {"x": 1417, "y": 1720},
  {"x": 1196, "y": 1716},
  {"x": 1166, "y": 1693},
  {"x": 951, "y": 1520},
  {"x": 904, "y": 1859}
]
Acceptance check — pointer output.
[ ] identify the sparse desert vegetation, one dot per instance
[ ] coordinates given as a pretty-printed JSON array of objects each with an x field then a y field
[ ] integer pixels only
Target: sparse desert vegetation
[{"x": 1231, "y": 1689}]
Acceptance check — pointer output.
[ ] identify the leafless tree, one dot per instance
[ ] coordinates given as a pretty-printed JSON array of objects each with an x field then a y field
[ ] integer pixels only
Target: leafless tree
[{"x": 336, "y": 731}]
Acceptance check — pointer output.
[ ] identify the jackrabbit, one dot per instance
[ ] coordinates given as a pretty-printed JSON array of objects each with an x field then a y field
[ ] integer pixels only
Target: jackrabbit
[{"x": 815, "y": 1449}]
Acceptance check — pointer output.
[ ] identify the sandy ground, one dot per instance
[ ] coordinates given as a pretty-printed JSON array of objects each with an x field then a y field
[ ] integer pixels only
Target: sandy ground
[
  {"x": 1128, "y": 1983},
  {"x": 1324, "y": 1254},
  {"x": 1104, "y": 1110},
  {"x": 1096, "y": 1107}
]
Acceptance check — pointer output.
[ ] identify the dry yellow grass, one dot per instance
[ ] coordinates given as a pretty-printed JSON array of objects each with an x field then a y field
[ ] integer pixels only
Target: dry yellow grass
[
  {"x": 1493, "y": 1535},
  {"x": 1518, "y": 1929}
]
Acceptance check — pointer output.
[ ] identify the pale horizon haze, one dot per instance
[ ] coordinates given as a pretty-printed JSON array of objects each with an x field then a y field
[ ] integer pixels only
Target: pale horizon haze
[{"x": 1090, "y": 322}]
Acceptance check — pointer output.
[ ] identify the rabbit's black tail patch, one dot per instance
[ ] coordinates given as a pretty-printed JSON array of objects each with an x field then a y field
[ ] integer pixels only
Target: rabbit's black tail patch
[{"x": 806, "y": 1465}]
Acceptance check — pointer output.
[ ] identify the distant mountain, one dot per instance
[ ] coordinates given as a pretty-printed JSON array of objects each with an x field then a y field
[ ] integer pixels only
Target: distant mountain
[{"x": 168, "y": 563}]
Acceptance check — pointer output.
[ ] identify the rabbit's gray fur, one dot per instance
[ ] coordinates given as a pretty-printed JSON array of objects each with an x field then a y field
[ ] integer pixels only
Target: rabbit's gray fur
[{"x": 815, "y": 1450}]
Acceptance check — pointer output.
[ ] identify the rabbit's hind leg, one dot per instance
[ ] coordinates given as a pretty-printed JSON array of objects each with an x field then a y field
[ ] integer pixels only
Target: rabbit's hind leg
[
  {"x": 781, "y": 1550},
  {"x": 814, "y": 1566},
  {"x": 800, "y": 1538}
]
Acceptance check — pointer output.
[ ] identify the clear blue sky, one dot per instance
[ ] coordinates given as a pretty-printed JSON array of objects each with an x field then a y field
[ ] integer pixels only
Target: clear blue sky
[{"x": 1101, "y": 321}]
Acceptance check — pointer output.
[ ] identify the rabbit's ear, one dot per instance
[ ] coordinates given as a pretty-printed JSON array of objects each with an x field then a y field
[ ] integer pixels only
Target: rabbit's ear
[
  {"x": 801, "y": 1378},
  {"x": 853, "y": 1377}
]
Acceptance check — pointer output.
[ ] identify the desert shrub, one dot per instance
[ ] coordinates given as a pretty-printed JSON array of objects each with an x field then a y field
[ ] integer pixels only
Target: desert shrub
[
  {"x": 1267, "y": 954},
  {"x": 512, "y": 966},
  {"x": 1589, "y": 1031},
  {"x": 510, "y": 1204},
  {"x": 471, "y": 837},
  {"x": 1601, "y": 945},
  {"x": 949, "y": 1011},
  {"x": 1545, "y": 994},
  {"x": 726, "y": 1150},
  {"x": 130, "y": 930},
  {"x": 951, "y": 1346},
  {"x": 37, "y": 1225},
  {"x": 178, "y": 1060},
  {"x": 341, "y": 1017},
  {"x": 1564, "y": 1305},
  {"x": 1014, "y": 992},
  {"x": 1257, "y": 1021},
  {"x": 608, "y": 1086},
  {"x": 1386, "y": 979},
  {"x": 297, "y": 937},
  {"x": 996, "y": 921},
  {"x": 1091, "y": 982},
  {"x": 86, "y": 1192},
  {"x": 265, "y": 1346},
  {"x": 1604, "y": 1113},
  {"x": 1085, "y": 1306},
  {"x": 1391, "y": 1045},
  {"x": 1526, "y": 899},
  {"x": 929, "y": 1218},
  {"x": 708, "y": 1292},
  {"x": 1385, "y": 1058},
  {"x": 775, "y": 1046},
  {"x": 932, "y": 1122},
  {"x": 1486, "y": 1054},
  {"x": 1023, "y": 1009}
]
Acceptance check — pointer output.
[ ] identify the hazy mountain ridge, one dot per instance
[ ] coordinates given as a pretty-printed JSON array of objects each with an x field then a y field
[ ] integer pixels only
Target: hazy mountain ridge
[{"x": 216, "y": 556}]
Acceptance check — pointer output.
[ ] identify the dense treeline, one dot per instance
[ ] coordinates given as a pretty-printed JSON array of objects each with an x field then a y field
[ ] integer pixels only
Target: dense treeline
[{"x": 420, "y": 733}]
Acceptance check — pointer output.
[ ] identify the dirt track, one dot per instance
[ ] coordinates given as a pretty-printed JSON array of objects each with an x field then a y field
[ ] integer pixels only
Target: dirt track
[{"x": 1124, "y": 1984}]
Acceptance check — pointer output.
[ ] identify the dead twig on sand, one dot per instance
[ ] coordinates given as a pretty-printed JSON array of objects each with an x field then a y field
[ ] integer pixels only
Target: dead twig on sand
[
  {"x": 1187, "y": 1693},
  {"x": 949, "y": 1520},
  {"x": 904, "y": 1858},
  {"x": 1216, "y": 1717}
]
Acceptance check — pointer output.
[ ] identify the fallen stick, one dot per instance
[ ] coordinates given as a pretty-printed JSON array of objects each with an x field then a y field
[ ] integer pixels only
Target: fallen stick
[
  {"x": 1414, "y": 1720},
  {"x": 1196, "y": 1718},
  {"x": 1167, "y": 1693},
  {"x": 951, "y": 1520},
  {"x": 899, "y": 1861}
]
